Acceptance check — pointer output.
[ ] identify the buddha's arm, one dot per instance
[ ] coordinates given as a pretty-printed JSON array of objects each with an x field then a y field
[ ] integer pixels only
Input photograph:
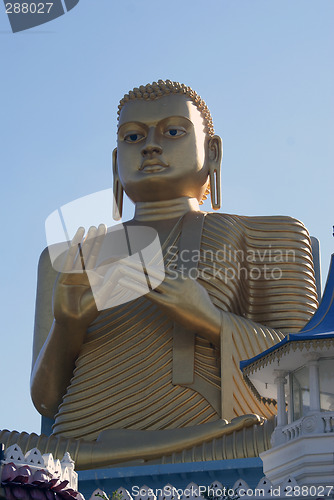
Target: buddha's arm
[
  {"x": 40, "y": 375},
  {"x": 120, "y": 445},
  {"x": 70, "y": 305},
  {"x": 54, "y": 367},
  {"x": 56, "y": 346},
  {"x": 187, "y": 302}
]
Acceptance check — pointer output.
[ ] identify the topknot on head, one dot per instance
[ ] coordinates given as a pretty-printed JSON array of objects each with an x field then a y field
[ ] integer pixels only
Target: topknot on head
[{"x": 161, "y": 88}]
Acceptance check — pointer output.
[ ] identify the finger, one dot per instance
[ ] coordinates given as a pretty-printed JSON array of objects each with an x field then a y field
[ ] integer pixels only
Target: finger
[
  {"x": 172, "y": 273},
  {"x": 132, "y": 268},
  {"x": 96, "y": 246},
  {"x": 160, "y": 298},
  {"x": 153, "y": 272},
  {"x": 137, "y": 283},
  {"x": 73, "y": 250},
  {"x": 99, "y": 298},
  {"x": 160, "y": 282},
  {"x": 139, "y": 288},
  {"x": 164, "y": 288},
  {"x": 110, "y": 281},
  {"x": 84, "y": 249},
  {"x": 170, "y": 284},
  {"x": 140, "y": 278},
  {"x": 134, "y": 275}
]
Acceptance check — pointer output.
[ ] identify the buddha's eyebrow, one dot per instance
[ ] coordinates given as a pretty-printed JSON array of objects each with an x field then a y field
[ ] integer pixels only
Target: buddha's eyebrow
[
  {"x": 158, "y": 124},
  {"x": 176, "y": 117},
  {"x": 125, "y": 124}
]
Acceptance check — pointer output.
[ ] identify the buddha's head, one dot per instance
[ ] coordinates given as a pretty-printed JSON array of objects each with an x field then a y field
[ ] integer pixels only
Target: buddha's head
[{"x": 166, "y": 147}]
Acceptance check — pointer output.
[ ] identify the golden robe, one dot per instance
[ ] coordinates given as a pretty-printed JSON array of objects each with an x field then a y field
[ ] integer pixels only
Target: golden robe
[{"x": 258, "y": 272}]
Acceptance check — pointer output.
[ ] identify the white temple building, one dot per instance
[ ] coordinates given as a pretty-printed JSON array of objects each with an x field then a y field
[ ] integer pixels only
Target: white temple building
[{"x": 298, "y": 373}]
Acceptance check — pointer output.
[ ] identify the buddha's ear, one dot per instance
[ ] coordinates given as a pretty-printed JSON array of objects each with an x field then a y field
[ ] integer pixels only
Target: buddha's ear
[
  {"x": 215, "y": 155},
  {"x": 117, "y": 208}
]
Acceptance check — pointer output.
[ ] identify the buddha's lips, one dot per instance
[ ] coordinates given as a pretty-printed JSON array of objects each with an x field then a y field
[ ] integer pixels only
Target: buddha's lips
[{"x": 153, "y": 165}]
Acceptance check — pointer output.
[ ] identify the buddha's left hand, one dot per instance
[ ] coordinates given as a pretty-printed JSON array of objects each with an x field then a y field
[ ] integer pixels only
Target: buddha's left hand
[{"x": 183, "y": 299}]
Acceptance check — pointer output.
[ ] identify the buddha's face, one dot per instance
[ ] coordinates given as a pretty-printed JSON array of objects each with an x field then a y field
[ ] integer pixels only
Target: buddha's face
[{"x": 162, "y": 149}]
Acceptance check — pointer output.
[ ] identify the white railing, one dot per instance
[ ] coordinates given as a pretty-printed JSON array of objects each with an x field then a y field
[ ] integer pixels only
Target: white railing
[
  {"x": 328, "y": 419},
  {"x": 314, "y": 423},
  {"x": 293, "y": 430}
]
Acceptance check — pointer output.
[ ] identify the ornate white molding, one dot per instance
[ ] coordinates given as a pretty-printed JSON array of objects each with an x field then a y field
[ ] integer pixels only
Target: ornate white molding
[{"x": 60, "y": 469}]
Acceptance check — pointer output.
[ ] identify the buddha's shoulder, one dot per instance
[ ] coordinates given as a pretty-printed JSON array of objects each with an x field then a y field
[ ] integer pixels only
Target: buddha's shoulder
[{"x": 265, "y": 224}]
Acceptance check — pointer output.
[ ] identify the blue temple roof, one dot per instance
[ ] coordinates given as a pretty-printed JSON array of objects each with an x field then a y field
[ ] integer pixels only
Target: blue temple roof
[{"x": 320, "y": 326}]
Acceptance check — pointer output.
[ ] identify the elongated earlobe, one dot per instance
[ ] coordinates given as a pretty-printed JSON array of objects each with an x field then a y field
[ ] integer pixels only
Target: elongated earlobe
[
  {"x": 117, "y": 209},
  {"x": 215, "y": 159},
  {"x": 215, "y": 192}
]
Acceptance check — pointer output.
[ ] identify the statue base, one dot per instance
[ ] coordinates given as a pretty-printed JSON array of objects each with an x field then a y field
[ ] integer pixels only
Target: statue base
[{"x": 155, "y": 477}]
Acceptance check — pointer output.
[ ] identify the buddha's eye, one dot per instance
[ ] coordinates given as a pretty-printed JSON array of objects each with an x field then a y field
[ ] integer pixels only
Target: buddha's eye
[
  {"x": 174, "y": 132},
  {"x": 132, "y": 138}
]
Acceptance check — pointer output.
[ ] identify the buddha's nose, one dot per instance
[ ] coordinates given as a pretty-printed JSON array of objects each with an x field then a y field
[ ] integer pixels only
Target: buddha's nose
[
  {"x": 151, "y": 149},
  {"x": 151, "y": 146}
]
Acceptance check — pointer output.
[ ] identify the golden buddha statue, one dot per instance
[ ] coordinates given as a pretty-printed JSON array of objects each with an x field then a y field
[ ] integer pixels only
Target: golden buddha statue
[{"x": 158, "y": 378}]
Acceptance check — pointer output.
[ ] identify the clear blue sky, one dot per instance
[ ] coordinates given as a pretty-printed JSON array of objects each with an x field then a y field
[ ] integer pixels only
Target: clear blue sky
[{"x": 264, "y": 68}]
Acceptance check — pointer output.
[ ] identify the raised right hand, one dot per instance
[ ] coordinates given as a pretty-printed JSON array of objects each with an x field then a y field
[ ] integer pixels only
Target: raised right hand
[{"x": 73, "y": 300}]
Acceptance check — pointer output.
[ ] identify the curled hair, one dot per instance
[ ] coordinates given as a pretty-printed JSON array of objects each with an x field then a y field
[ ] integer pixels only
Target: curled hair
[{"x": 156, "y": 90}]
